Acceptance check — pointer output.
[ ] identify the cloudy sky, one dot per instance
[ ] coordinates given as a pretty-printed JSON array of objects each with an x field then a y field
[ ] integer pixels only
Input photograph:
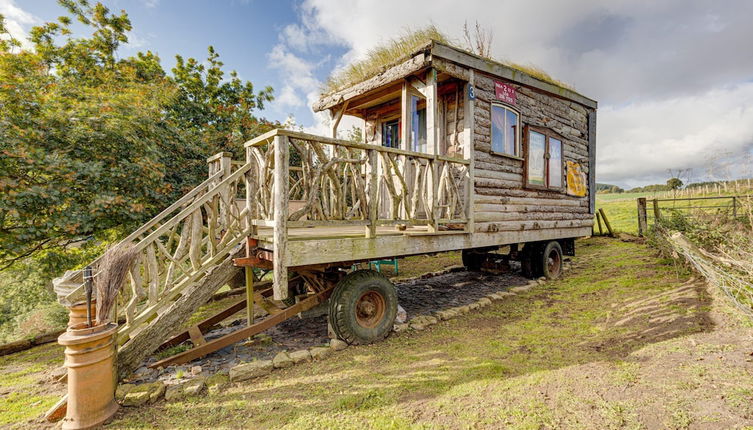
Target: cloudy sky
[{"x": 674, "y": 78}]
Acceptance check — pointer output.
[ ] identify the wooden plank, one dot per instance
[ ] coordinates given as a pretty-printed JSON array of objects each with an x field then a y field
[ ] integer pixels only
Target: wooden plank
[
  {"x": 281, "y": 217},
  {"x": 244, "y": 333},
  {"x": 606, "y": 221},
  {"x": 372, "y": 178},
  {"x": 359, "y": 248}
]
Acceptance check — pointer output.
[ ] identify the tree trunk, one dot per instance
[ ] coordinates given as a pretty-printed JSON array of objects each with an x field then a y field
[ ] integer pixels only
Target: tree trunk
[{"x": 172, "y": 319}]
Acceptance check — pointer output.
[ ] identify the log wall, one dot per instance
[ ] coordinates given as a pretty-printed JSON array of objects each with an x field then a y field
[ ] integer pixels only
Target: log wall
[{"x": 502, "y": 202}]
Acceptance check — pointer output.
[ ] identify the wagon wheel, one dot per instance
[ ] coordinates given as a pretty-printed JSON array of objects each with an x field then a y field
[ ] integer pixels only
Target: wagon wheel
[
  {"x": 472, "y": 260},
  {"x": 363, "y": 307},
  {"x": 552, "y": 260}
]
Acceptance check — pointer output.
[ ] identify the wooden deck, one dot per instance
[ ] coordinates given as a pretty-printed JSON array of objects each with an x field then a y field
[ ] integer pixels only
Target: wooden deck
[{"x": 265, "y": 234}]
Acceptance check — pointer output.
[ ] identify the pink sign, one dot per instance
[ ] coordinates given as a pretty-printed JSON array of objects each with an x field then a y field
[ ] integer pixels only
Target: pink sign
[{"x": 505, "y": 92}]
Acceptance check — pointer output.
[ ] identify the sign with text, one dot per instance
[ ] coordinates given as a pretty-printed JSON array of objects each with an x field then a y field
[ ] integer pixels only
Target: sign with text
[{"x": 505, "y": 93}]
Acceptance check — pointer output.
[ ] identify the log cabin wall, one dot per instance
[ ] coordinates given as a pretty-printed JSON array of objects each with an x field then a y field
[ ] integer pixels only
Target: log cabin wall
[{"x": 502, "y": 202}]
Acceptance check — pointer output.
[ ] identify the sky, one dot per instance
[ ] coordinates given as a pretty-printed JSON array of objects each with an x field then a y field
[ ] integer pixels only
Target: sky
[{"x": 674, "y": 78}]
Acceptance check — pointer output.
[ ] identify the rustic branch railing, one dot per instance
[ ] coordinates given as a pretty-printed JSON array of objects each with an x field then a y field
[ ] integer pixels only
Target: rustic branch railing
[{"x": 335, "y": 182}]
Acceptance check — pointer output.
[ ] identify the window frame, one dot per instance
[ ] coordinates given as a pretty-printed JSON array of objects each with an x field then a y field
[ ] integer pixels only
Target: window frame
[
  {"x": 518, "y": 137},
  {"x": 390, "y": 118},
  {"x": 548, "y": 133}
]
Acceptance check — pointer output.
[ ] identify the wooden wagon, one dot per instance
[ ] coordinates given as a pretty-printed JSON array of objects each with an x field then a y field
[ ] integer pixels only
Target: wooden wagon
[{"x": 459, "y": 153}]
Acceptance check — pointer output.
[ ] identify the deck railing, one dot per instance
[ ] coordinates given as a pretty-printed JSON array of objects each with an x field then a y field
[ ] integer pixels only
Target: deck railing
[{"x": 332, "y": 182}]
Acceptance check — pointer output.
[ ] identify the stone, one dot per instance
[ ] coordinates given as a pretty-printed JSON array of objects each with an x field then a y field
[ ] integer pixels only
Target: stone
[
  {"x": 217, "y": 381},
  {"x": 399, "y": 328},
  {"x": 464, "y": 309},
  {"x": 521, "y": 289},
  {"x": 442, "y": 315},
  {"x": 196, "y": 370},
  {"x": 136, "y": 398},
  {"x": 122, "y": 390},
  {"x": 402, "y": 315},
  {"x": 251, "y": 370},
  {"x": 194, "y": 387},
  {"x": 320, "y": 352},
  {"x": 300, "y": 356},
  {"x": 263, "y": 339},
  {"x": 474, "y": 306},
  {"x": 156, "y": 391},
  {"x": 483, "y": 302},
  {"x": 425, "y": 320},
  {"x": 282, "y": 360},
  {"x": 417, "y": 327},
  {"x": 337, "y": 345},
  {"x": 543, "y": 279},
  {"x": 174, "y": 392}
]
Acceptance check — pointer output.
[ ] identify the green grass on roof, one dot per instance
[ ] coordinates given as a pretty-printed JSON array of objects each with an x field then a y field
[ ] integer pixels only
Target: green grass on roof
[{"x": 399, "y": 49}]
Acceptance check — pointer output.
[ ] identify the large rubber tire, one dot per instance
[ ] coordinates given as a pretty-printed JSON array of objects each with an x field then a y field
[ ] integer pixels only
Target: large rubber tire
[
  {"x": 363, "y": 307},
  {"x": 530, "y": 260},
  {"x": 551, "y": 260},
  {"x": 472, "y": 260}
]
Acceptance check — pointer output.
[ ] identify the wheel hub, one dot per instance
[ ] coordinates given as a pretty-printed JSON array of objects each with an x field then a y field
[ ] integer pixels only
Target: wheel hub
[
  {"x": 554, "y": 262},
  {"x": 370, "y": 309}
]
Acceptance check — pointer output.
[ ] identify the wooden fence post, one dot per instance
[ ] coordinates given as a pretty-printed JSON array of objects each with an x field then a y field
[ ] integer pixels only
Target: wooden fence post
[
  {"x": 642, "y": 221},
  {"x": 734, "y": 207},
  {"x": 657, "y": 212},
  {"x": 606, "y": 222},
  {"x": 280, "y": 286}
]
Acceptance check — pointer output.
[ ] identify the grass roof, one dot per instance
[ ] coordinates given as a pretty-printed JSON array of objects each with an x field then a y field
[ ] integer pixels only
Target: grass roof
[{"x": 400, "y": 48}]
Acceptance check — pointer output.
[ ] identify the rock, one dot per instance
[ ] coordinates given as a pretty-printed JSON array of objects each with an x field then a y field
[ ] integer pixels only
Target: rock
[
  {"x": 122, "y": 390},
  {"x": 337, "y": 345},
  {"x": 263, "y": 339},
  {"x": 402, "y": 315},
  {"x": 474, "y": 306},
  {"x": 424, "y": 320},
  {"x": 300, "y": 356},
  {"x": 196, "y": 370},
  {"x": 156, "y": 391},
  {"x": 542, "y": 279},
  {"x": 521, "y": 289},
  {"x": 399, "y": 328},
  {"x": 250, "y": 370},
  {"x": 320, "y": 352},
  {"x": 484, "y": 302},
  {"x": 217, "y": 381},
  {"x": 282, "y": 360},
  {"x": 174, "y": 392},
  {"x": 136, "y": 398},
  {"x": 443, "y": 315},
  {"x": 417, "y": 327},
  {"x": 194, "y": 387}
]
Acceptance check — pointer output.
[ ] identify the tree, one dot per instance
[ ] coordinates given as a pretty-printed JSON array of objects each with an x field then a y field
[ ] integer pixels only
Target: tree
[
  {"x": 93, "y": 145},
  {"x": 674, "y": 184}
]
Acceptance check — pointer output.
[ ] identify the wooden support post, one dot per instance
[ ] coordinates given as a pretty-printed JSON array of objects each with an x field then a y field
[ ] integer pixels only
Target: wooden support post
[
  {"x": 598, "y": 222},
  {"x": 280, "y": 234},
  {"x": 249, "y": 295},
  {"x": 657, "y": 212},
  {"x": 734, "y": 206},
  {"x": 372, "y": 188},
  {"x": 432, "y": 146},
  {"x": 336, "y": 117},
  {"x": 405, "y": 141},
  {"x": 642, "y": 221},
  {"x": 468, "y": 152},
  {"x": 606, "y": 222}
]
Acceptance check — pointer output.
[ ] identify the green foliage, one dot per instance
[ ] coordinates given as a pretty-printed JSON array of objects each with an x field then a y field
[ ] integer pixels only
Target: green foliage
[
  {"x": 93, "y": 145},
  {"x": 608, "y": 188},
  {"x": 674, "y": 183},
  {"x": 649, "y": 188}
]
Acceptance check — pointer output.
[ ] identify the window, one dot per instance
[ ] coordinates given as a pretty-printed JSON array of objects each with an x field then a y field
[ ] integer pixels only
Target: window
[
  {"x": 505, "y": 131},
  {"x": 391, "y": 133},
  {"x": 543, "y": 159},
  {"x": 418, "y": 124}
]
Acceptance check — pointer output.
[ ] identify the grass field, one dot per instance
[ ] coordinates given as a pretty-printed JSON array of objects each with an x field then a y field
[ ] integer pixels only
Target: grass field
[{"x": 625, "y": 340}]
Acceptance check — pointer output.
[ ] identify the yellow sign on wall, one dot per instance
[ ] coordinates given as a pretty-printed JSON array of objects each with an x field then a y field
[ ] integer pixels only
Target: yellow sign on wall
[{"x": 576, "y": 180}]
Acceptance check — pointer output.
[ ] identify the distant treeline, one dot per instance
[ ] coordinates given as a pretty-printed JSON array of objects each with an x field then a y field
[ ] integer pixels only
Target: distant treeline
[{"x": 614, "y": 189}]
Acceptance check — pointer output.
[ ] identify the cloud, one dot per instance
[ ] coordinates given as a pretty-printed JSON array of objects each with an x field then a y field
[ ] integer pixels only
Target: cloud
[
  {"x": 673, "y": 77},
  {"x": 17, "y": 21},
  {"x": 696, "y": 131}
]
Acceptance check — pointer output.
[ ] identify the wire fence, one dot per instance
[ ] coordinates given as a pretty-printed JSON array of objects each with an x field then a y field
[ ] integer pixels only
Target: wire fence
[{"x": 727, "y": 274}]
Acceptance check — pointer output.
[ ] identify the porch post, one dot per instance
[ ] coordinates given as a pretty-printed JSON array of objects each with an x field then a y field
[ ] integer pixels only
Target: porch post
[{"x": 280, "y": 285}]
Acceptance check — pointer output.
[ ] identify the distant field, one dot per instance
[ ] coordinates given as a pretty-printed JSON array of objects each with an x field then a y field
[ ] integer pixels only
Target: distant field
[{"x": 622, "y": 208}]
